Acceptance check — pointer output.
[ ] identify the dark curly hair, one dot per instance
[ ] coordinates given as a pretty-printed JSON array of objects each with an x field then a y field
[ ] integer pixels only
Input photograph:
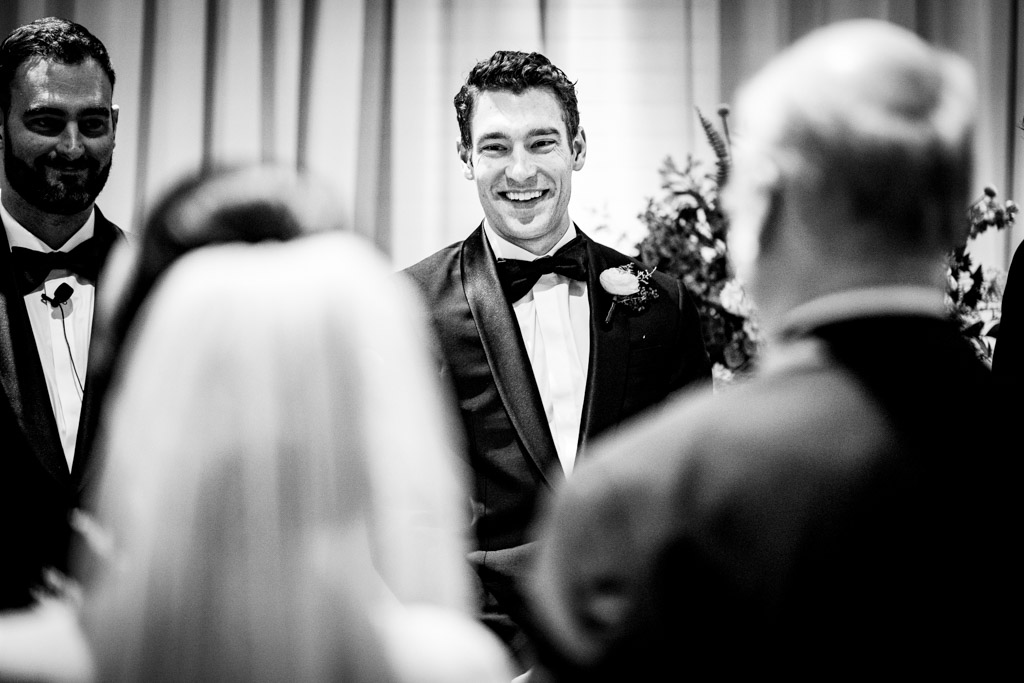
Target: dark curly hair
[
  {"x": 516, "y": 72},
  {"x": 50, "y": 38}
]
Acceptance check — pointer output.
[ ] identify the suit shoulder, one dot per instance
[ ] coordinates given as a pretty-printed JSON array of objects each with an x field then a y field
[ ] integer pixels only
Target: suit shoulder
[
  {"x": 102, "y": 220},
  {"x": 428, "y": 266},
  {"x": 435, "y": 270},
  {"x": 613, "y": 255},
  {"x": 753, "y": 435}
]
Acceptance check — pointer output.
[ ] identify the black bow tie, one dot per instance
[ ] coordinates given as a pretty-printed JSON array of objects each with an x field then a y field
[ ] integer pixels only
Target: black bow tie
[
  {"x": 518, "y": 277},
  {"x": 31, "y": 267}
]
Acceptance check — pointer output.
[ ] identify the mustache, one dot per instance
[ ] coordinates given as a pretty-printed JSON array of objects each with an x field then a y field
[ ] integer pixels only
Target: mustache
[{"x": 82, "y": 163}]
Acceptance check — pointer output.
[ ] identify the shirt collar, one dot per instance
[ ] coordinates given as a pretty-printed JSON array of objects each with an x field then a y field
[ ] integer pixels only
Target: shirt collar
[
  {"x": 798, "y": 349},
  {"x": 19, "y": 236},
  {"x": 863, "y": 302},
  {"x": 502, "y": 248}
]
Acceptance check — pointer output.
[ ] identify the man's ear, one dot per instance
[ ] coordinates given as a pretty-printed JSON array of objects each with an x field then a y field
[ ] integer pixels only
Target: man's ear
[
  {"x": 114, "y": 111},
  {"x": 579, "y": 149},
  {"x": 752, "y": 198},
  {"x": 771, "y": 222},
  {"x": 467, "y": 160}
]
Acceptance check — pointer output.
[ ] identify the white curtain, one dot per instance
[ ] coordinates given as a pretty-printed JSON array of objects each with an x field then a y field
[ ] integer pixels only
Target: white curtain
[{"x": 361, "y": 91}]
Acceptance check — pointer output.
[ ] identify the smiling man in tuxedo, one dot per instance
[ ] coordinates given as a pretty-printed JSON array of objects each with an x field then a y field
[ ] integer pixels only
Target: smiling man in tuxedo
[
  {"x": 58, "y": 125},
  {"x": 539, "y": 361}
]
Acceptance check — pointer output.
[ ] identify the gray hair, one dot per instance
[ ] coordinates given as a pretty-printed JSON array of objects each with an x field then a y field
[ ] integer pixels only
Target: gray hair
[{"x": 869, "y": 113}]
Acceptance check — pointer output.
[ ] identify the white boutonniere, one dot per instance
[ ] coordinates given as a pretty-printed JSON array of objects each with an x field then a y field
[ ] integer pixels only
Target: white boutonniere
[{"x": 628, "y": 287}]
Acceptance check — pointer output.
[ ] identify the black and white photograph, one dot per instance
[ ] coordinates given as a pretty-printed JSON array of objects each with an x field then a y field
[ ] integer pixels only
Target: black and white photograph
[{"x": 510, "y": 341}]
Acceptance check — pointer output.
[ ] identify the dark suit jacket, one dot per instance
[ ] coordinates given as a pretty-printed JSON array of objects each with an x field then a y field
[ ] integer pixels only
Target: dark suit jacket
[
  {"x": 844, "y": 515},
  {"x": 635, "y": 361},
  {"x": 1008, "y": 357},
  {"x": 37, "y": 491}
]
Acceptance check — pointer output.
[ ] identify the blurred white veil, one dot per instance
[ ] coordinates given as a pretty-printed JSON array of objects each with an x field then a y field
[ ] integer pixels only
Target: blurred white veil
[{"x": 278, "y": 446}]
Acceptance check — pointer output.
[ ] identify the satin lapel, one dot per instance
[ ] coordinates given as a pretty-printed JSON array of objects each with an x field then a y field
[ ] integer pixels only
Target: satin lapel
[
  {"x": 609, "y": 349},
  {"x": 506, "y": 355},
  {"x": 22, "y": 375},
  {"x": 106, "y": 233}
]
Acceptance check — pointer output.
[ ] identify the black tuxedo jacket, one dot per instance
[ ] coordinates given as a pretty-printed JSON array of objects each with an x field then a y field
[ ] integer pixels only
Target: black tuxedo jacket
[
  {"x": 1008, "y": 357},
  {"x": 635, "y": 362},
  {"x": 37, "y": 491},
  {"x": 842, "y": 515}
]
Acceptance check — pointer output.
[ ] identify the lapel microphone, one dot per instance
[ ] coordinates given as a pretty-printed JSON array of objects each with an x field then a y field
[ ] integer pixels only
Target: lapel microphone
[{"x": 60, "y": 296}]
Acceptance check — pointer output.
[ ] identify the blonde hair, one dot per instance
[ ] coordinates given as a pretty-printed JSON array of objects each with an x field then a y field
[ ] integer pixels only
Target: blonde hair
[{"x": 276, "y": 441}]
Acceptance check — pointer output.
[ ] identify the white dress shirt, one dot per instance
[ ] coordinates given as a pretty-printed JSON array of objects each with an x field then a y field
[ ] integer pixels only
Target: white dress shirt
[
  {"x": 63, "y": 361},
  {"x": 554, "y": 319}
]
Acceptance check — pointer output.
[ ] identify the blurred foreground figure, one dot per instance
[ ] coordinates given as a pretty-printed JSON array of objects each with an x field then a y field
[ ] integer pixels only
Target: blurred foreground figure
[
  {"x": 823, "y": 519},
  {"x": 417, "y": 490},
  {"x": 249, "y": 428},
  {"x": 279, "y": 496}
]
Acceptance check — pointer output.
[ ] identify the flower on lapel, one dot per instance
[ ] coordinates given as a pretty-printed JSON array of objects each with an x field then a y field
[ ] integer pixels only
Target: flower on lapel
[
  {"x": 628, "y": 287},
  {"x": 620, "y": 281}
]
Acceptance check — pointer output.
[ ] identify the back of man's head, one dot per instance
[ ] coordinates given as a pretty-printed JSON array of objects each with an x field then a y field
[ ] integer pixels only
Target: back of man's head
[
  {"x": 867, "y": 131},
  {"x": 515, "y": 72},
  {"x": 50, "y": 38}
]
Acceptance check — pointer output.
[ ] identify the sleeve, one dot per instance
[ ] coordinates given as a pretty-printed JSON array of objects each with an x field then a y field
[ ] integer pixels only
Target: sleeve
[{"x": 588, "y": 591}]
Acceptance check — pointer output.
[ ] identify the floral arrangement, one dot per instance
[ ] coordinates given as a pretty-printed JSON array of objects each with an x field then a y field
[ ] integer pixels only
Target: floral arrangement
[
  {"x": 628, "y": 287},
  {"x": 686, "y": 238}
]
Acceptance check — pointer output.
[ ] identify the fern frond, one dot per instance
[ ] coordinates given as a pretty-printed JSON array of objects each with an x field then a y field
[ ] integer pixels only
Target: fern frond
[{"x": 720, "y": 147}]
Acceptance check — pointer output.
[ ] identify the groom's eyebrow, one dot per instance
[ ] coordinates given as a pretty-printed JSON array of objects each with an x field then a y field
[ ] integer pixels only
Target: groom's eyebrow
[{"x": 492, "y": 136}]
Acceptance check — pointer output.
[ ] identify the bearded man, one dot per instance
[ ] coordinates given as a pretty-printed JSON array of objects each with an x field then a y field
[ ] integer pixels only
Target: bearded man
[{"x": 58, "y": 126}]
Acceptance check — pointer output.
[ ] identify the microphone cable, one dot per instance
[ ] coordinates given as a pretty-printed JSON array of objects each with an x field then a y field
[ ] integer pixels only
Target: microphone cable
[{"x": 60, "y": 297}]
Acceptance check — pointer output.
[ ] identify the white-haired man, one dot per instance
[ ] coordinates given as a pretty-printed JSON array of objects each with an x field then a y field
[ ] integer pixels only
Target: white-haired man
[{"x": 825, "y": 518}]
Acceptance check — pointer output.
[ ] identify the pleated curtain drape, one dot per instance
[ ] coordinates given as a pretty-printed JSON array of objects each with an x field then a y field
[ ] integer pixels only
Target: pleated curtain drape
[{"x": 360, "y": 91}]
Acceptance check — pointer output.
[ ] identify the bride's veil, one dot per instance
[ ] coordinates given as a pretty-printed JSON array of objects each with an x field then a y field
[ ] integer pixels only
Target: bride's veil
[{"x": 280, "y": 457}]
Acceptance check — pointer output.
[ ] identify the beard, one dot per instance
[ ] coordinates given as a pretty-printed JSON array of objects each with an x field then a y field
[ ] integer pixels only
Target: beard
[{"x": 66, "y": 195}]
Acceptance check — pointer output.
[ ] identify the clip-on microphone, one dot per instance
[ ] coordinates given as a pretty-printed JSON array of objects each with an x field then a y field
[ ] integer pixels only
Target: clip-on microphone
[{"x": 60, "y": 296}]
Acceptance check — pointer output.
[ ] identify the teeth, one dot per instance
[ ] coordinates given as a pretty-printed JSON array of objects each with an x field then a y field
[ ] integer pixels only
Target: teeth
[{"x": 523, "y": 196}]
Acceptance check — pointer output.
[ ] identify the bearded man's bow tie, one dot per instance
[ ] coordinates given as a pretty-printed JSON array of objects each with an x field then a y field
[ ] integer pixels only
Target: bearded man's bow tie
[
  {"x": 518, "y": 277},
  {"x": 31, "y": 267}
]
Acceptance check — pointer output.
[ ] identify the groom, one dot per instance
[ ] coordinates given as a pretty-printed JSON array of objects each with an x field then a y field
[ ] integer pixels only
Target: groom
[{"x": 541, "y": 356}]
